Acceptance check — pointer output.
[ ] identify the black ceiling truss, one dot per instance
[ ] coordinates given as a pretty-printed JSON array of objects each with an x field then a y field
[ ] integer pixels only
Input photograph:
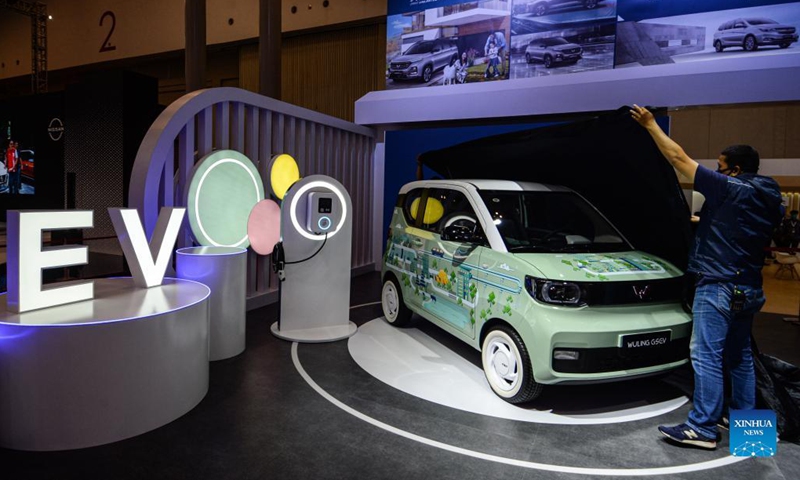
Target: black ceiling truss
[{"x": 38, "y": 15}]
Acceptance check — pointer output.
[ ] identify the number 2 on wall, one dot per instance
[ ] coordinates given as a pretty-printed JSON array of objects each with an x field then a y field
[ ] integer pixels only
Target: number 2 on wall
[{"x": 107, "y": 47}]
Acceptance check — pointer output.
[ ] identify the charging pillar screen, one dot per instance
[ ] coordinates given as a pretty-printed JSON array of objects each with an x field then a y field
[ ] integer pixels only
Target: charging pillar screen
[{"x": 322, "y": 215}]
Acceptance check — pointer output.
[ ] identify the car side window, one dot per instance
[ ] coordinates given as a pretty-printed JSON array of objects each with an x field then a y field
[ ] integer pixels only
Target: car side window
[
  {"x": 455, "y": 210},
  {"x": 412, "y": 205}
]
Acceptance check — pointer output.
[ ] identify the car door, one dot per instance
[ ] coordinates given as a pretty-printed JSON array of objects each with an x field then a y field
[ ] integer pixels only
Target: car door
[
  {"x": 451, "y": 286},
  {"x": 538, "y": 52},
  {"x": 406, "y": 251},
  {"x": 736, "y": 34},
  {"x": 439, "y": 54}
]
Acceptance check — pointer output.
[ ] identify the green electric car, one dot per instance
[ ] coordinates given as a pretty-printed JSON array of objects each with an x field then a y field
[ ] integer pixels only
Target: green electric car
[{"x": 535, "y": 278}]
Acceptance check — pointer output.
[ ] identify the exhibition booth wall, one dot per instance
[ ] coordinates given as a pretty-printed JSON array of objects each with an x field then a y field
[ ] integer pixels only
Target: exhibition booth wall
[{"x": 259, "y": 128}]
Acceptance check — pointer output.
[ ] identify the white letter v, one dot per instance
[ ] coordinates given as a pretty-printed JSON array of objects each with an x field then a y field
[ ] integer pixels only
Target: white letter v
[{"x": 147, "y": 261}]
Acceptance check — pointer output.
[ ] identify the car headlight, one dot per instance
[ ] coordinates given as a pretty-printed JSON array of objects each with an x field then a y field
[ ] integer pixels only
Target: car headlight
[
  {"x": 555, "y": 292},
  {"x": 767, "y": 29},
  {"x": 413, "y": 70}
]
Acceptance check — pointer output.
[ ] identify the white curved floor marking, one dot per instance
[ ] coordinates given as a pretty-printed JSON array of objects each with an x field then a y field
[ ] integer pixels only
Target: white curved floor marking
[
  {"x": 619, "y": 472},
  {"x": 411, "y": 361},
  {"x": 364, "y": 305}
]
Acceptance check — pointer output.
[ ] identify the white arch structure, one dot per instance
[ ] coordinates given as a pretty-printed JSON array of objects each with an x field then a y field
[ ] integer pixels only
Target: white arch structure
[{"x": 259, "y": 127}]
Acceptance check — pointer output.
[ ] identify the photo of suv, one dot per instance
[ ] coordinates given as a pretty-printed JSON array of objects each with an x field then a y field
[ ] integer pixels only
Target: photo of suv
[
  {"x": 751, "y": 33},
  {"x": 422, "y": 59},
  {"x": 536, "y": 279},
  {"x": 553, "y": 51}
]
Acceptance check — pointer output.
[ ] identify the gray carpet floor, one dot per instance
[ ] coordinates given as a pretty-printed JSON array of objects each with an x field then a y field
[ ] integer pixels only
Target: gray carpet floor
[{"x": 262, "y": 420}]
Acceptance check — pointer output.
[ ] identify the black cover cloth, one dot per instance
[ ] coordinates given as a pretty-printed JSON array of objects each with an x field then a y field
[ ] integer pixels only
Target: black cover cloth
[
  {"x": 778, "y": 389},
  {"x": 610, "y": 160}
]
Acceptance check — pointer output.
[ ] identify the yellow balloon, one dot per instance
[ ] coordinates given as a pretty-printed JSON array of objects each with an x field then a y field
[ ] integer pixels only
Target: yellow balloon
[
  {"x": 433, "y": 210},
  {"x": 283, "y": 174}
]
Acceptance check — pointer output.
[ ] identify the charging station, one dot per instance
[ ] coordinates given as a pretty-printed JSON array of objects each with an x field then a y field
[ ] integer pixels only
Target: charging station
[{"x": 316, "y": 234}]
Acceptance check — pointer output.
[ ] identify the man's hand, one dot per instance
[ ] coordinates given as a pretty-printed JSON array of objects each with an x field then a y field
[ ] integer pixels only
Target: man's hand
[
  {"x": 671, "y": 150},
  {"x": 642, "y": 116}
]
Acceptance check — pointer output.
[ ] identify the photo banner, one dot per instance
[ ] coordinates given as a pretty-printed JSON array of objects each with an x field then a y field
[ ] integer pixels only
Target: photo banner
[{"x": 450, "y": 42}]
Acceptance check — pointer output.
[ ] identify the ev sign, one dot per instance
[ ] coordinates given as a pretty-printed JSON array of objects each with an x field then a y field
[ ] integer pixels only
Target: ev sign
[{"x": 26, "y": 257}]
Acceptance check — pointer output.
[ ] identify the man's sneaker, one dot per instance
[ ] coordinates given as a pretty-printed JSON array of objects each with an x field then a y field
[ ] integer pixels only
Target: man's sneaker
[
  {"x": 724, "y": 423},
  {"x": 685, "y": 434}
]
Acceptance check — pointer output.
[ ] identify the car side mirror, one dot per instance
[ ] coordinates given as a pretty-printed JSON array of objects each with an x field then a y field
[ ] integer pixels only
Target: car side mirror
[{"x": 461, "y": 234}]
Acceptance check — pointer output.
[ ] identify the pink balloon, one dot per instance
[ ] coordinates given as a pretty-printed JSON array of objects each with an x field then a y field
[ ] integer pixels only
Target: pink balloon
[{"x": 264, "y": 226}]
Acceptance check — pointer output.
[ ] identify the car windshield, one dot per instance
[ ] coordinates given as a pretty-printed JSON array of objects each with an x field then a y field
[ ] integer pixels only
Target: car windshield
[
  {"x": 420, "y": 47},
  {"x": 548, "y": 222},
  {"x": 760, "y": 21},
  {"x": 553, "y": 42}
]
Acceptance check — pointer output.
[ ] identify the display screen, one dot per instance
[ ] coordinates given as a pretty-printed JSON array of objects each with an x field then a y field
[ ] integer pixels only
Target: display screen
[
  {"x": 32, "y": 138},
  {"x": 31, "y": 132},
  {"x": 448, "y": 42},
  {"x": 325, "y": 205},
  {"x": 17, "y": 175}
]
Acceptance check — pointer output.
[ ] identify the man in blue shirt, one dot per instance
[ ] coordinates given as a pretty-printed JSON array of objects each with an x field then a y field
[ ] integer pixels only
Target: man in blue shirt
[{"x": 740, "y": 212}]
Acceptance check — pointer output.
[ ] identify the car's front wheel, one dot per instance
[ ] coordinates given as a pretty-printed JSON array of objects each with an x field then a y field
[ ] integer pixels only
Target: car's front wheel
[
  {"x": 590, "y": 3},
  {"x": 507, "y": 366},
  {"x": 548, "y": 61},
  {"x": 540, "y": 9},
  {"x": 528, "y": 58},
  {"x": 718, "y": 46},
  {"x": 750, "y": 43},
  {"x": 427, "y": 73},
  {"x": 784, "y": 45},
  {"x": 394, "y": 308}
]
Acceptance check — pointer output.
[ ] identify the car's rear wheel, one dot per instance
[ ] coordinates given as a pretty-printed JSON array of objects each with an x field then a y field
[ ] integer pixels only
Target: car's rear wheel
[
  {"x": 750, "y": 43},
  {"x": 540, "y": 9},
  {"x": 548, "y": 61},
  {"x": 718, "y": 46},
  {"x": 394, "y": 308},
  {"x": 427, "y": 73},
  {"x": 590, "y": 3},
  {"x": 507, "y": 366}
]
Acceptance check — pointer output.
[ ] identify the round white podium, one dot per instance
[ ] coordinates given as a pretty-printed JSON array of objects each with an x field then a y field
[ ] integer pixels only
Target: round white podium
[
  {"x": 224, "y": 271},
  {"x": 102, "y": 370}
]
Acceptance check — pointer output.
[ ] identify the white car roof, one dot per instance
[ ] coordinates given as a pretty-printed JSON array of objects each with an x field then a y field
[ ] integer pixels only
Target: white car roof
[{"x": 502, "y": 185}]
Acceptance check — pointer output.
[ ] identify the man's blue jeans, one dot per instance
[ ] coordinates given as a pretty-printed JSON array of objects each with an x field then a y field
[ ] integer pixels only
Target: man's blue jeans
[{"x": 721, "y": 335}]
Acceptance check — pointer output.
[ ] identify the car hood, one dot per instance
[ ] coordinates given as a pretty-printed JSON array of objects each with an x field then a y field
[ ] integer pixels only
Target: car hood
[
  {"x": 600, "y": 267},
  {"x": 771, "y": 25},
  {"x": 610, "y": 160},
  {"x": 568, "y": 46},
  {"x": 410, "y": 58}
]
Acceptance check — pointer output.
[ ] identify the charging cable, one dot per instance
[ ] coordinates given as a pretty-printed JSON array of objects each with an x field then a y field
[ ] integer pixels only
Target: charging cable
[{"x": 279, "y": 258}]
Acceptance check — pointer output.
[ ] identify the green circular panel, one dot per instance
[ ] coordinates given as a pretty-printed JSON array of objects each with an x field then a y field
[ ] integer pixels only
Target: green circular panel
[{"x": 224, "y": 188}]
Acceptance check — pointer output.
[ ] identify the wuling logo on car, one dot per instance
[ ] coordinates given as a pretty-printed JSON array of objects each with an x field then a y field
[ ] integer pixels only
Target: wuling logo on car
[{"x": 641, "y": 292}]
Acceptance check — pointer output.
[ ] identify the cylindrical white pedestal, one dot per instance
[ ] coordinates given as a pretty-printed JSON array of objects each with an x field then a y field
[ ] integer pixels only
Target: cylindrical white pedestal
[
  {"x": 224, "y": 271},
  {"x": 102, "y": 370}
]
